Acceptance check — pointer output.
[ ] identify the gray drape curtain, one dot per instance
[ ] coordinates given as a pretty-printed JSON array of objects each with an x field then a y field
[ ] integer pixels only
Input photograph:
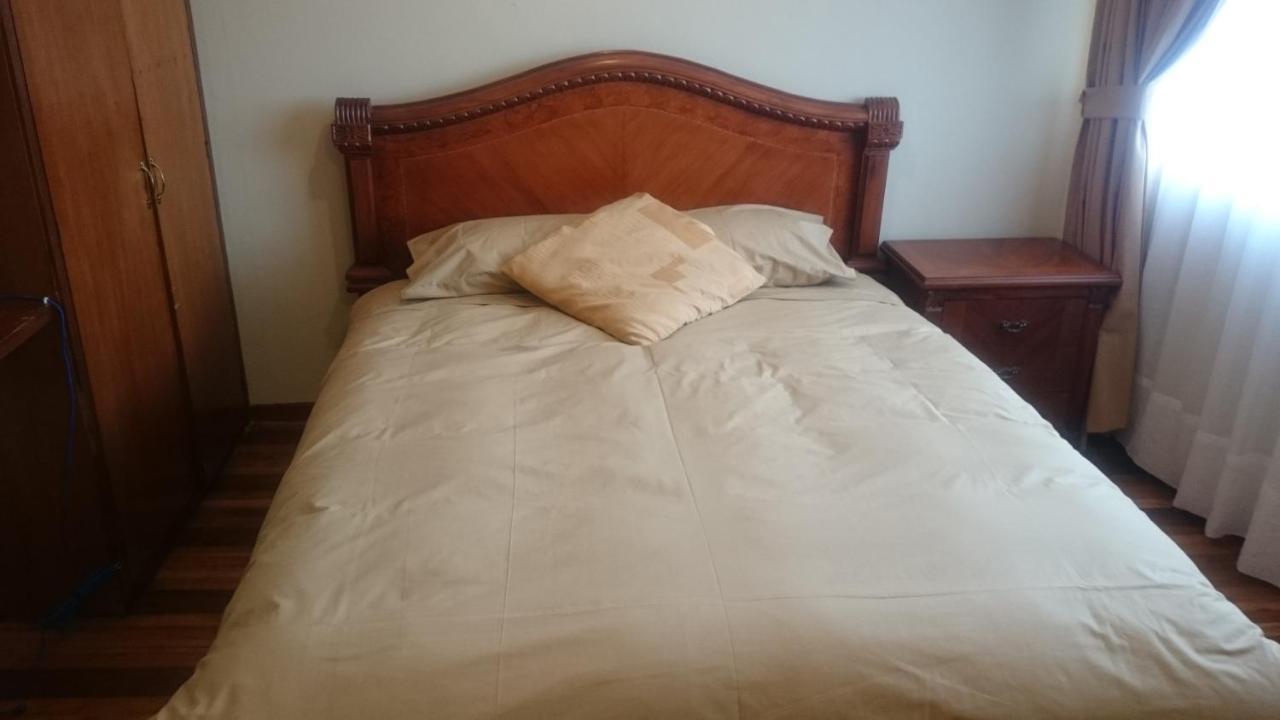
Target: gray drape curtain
[{"x": 1134, "y": 41}]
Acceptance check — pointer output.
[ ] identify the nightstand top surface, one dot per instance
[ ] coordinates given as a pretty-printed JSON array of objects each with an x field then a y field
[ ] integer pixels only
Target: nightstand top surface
[{"x": 996, "y": 262}]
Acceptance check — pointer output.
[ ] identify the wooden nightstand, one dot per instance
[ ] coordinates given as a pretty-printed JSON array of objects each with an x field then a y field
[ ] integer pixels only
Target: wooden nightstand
[{"x": 1028, "y": 307}]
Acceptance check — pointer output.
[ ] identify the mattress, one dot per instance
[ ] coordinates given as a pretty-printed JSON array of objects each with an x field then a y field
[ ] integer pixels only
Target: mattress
[{"x": 811, "y": 504}]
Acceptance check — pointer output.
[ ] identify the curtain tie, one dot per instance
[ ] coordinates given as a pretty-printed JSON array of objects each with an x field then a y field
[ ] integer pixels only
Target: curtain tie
[{"x": 1114, "y": 102}]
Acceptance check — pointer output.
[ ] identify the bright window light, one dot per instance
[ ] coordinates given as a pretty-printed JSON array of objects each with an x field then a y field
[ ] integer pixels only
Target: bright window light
[{"x": 1214, "y": 118}]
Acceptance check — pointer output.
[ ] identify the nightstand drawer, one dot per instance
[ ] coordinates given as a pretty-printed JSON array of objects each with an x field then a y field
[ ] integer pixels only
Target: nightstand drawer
[
  {"x": 1053, "y": 404},
  {"x": 1032, "y": 340}
]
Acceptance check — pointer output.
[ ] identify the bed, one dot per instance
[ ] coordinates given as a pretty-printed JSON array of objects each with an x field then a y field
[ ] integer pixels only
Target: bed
[{"x": 811, "y": 504}]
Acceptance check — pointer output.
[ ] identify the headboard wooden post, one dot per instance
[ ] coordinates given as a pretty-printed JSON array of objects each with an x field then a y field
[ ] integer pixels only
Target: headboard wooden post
[
  {"x": 884, "y": 132},
  {"x": 352, "y": 133},
  {"x": 572, "y": 135}
]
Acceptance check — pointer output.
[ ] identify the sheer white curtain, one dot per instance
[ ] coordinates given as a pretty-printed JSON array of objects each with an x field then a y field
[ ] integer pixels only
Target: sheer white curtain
[{"x": 1206, "y": 416}]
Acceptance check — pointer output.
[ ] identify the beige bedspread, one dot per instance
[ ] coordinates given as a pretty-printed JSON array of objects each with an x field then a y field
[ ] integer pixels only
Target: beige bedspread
[{"x": 812, "y": 504}]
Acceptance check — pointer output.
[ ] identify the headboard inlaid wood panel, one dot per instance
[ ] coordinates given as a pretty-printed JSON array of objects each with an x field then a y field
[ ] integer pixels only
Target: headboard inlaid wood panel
[{"x": 579, "y": 133}]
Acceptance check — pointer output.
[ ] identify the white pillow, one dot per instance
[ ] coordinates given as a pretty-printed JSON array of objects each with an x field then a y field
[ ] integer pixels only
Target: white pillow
[
  {"x": 790, "y": 248},
  {"x": 466, "y": 258},
  {"x": 637, "y": 269},
  {"x": 787, "y": 247}
]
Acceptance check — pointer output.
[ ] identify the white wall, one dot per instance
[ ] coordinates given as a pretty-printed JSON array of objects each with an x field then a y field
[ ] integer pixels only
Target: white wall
[{"x": 988, "y": 91}]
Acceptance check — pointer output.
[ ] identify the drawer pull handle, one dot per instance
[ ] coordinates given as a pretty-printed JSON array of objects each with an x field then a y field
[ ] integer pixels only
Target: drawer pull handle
[
  {"x": 1005, "y": 373},
  {"x": 1014, "y": 326},
  {"x": 162, "y": 184},
  {"x": 150, "y": 179}
]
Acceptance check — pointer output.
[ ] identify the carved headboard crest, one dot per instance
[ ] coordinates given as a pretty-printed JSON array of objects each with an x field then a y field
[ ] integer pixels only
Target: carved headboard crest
[
  {"x": 575, "y": 134},
  {"x": 351, "y": 130},
  {"x": 884, "y": 129}
]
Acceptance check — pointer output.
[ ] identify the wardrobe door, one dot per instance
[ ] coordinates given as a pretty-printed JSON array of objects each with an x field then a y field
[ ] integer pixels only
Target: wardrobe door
[
  {"x": 169, "y": 103},
  {"x": 76, "y": 64}
]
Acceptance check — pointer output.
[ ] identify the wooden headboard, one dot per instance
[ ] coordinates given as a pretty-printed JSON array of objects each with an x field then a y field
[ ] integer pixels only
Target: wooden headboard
[{"x": 579, "y": 133}]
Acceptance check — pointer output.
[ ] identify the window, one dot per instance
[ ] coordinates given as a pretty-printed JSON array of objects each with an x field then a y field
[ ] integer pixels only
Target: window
[{"x": 1214, "y": 118}]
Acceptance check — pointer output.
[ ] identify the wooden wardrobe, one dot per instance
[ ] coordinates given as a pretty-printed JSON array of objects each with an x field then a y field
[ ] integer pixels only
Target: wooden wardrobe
[{"x": 109, "y": 205}]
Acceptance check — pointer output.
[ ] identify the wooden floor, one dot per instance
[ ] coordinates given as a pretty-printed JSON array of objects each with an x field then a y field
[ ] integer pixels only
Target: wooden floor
[{"x": 112, "y": 668}]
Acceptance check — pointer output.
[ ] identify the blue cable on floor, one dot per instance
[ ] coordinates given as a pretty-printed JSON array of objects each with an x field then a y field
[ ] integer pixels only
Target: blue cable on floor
[{"x": 64, "y": 336}]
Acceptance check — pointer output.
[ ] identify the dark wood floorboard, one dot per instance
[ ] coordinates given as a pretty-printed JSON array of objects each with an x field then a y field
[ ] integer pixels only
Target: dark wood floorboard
[{"x": 117, "y": 668}]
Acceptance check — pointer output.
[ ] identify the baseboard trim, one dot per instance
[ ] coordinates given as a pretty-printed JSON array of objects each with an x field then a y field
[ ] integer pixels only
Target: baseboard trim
[{"x": 281, "y": 412}]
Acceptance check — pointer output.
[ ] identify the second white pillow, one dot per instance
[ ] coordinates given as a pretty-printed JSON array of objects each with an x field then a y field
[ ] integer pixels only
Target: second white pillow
[{"x": 788, "y": 247}]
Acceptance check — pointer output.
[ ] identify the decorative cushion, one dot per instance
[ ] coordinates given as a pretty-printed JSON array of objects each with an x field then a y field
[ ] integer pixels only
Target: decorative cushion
[{"x": 637, "y": 269}]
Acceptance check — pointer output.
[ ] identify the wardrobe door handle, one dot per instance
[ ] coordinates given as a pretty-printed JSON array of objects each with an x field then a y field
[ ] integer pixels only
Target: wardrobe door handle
[
  {"x": 163, "y": 183},
  {"x": 1006, "y": 373},
  {"x": 151, "y": 183},
  {"x": 1014, "y": 326}
]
